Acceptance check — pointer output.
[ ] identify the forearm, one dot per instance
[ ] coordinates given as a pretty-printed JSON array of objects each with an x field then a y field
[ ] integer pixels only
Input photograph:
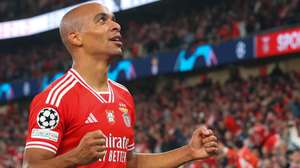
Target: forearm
[
  {"x": 66, "y": 160},
  {"x": 173, "y": 158}
]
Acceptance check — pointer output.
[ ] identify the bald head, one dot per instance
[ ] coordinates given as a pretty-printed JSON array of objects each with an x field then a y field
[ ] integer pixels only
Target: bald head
[
  {"x": 74, "y": 21},
  {"x": 90, "y": 30}
]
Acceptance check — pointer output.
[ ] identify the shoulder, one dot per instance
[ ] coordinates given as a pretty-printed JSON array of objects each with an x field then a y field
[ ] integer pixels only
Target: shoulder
[
  {"x": 122, "y": 90},
  {"x": 119, "y": 86},
  {"x": 56, "y": 91}
]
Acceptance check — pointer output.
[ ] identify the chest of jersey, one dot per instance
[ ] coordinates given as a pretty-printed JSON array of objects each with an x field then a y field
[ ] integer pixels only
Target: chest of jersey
[{"x": 113, "y": 118}]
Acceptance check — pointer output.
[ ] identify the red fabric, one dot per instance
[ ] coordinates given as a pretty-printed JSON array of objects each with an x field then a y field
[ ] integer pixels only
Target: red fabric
[
  {"x": 224, "y": 32},
  {"x": 233, "y": 158},
  {"x": 236, "y": 158},
  {"x": 249, "y": 156},
  {"x": 231, "y": 124},
  {"x": 271, "y": 143},
  {"x": 210, "y": 162},
  {"x": 235, "y": 30},
  {"x": 113, "y": 115},
  {"x": 259, "y": 134}
]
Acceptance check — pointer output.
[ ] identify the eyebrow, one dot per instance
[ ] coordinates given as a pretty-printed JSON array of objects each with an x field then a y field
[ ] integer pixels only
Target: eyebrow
[{"x": 102, "y": 14}]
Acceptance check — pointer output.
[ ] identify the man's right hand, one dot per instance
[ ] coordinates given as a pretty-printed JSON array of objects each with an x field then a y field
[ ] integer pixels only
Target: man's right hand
[{"x": 91, "y": 148}]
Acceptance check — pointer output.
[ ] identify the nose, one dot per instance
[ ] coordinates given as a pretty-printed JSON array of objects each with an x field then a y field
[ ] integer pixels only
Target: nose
[{"x": 116, "y": 26}]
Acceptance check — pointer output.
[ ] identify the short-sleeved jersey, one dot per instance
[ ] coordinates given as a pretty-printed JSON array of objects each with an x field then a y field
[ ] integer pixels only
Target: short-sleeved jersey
[{"x": 69, "y": 108}]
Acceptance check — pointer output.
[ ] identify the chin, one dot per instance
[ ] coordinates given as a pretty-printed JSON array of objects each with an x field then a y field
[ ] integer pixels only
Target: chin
[{"x": 115, "y": 56}]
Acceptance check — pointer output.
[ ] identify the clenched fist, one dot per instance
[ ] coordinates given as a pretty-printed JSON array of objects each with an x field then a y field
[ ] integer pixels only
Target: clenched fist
[
  {"x": 203, "y": 143},
  {"x": 91, "y": 147}
]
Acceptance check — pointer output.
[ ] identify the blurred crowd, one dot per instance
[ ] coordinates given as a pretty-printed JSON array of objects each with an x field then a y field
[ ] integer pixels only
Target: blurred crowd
[
  {"x": 16, "y": 9},
  {"x": 13, "y": 126},
  {"x": 256, "y": 120},
  {"x": 184, "y": 28},
  {"x": 215, "y": 23},
  {"x": 24, "y": 64}
]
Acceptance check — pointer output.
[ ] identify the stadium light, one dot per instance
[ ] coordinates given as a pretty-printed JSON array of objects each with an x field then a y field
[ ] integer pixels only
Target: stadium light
[{"x": 49, "y": 21}]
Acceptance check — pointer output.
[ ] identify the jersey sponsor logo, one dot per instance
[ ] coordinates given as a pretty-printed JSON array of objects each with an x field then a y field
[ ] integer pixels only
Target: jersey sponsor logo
[
  {"x": 91, "y": 119},
  {"x": 47, "y": 118},
  {"x": 110, "y": 116},
  {"x": 44, "y": 134},
  {"x": 117, "y": 149},
  {"x": 126, "y": 118},
  {"x": 116, "y": 142}
]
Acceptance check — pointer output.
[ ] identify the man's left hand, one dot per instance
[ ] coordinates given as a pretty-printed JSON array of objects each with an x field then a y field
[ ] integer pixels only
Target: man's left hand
[{"x": 203, "y": 144}]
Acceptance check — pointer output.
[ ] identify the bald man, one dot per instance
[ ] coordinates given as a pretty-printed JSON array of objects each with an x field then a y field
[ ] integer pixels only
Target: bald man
[{"x": 86, "y": 120}]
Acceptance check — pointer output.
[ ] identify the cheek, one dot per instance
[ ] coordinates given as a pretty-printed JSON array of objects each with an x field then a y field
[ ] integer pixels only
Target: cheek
[
  {"x": 95, "y": 40},
  {"x": 101, "y": 37}
]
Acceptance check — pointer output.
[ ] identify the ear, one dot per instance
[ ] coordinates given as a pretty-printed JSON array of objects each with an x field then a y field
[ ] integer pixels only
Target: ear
[{"x": 74, "y": 38}]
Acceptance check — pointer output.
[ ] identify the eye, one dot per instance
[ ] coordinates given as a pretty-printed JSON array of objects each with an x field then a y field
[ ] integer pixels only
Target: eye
[{"x": 102, "y": 19}]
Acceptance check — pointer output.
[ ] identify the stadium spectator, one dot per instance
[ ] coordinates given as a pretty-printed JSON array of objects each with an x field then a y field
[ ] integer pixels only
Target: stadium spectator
[
  {"x": 176, "y": 29},
  {"x": 252, "y": 108}
]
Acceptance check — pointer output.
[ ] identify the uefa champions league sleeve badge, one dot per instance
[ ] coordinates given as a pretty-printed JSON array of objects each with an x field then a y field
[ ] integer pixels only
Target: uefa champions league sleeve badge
[{"x": 47, "y": 118}]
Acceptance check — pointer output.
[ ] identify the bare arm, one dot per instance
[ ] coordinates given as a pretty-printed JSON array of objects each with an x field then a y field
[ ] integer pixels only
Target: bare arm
[
  {"x": 202, "y": 145},
  {"x": 168, "y": 159},
  {"x": 91, "y": 148},
  {"x": 45, "y": 159}
]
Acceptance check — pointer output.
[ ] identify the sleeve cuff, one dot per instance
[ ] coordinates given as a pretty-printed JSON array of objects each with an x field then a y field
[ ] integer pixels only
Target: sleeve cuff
[
  {"x": 41, "y": 145},
  {"x": 131, "y": 147}
]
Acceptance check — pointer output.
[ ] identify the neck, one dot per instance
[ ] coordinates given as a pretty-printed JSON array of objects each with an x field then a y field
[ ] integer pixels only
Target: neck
[{"x": 94, "y": 73}]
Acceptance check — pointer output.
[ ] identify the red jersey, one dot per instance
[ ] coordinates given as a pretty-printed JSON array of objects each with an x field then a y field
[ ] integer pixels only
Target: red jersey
[{"x": 69, "y": 108}]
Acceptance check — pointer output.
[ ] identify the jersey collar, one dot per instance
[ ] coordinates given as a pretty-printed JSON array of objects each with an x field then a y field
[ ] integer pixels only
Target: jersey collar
[{"x": 78, "y": 77}]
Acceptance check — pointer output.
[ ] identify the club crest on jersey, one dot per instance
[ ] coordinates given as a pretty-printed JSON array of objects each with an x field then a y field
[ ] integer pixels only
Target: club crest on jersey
[
  {"x": 110, "y": 116},
  {"x": 47, "y": 118},
  {"x": 123, "y": 107},
  {"x": 126, "y": 118}
]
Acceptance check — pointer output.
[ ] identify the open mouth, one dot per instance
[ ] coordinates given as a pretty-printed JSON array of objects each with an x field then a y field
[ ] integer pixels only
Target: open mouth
[{"x": 117, "y": 39}]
